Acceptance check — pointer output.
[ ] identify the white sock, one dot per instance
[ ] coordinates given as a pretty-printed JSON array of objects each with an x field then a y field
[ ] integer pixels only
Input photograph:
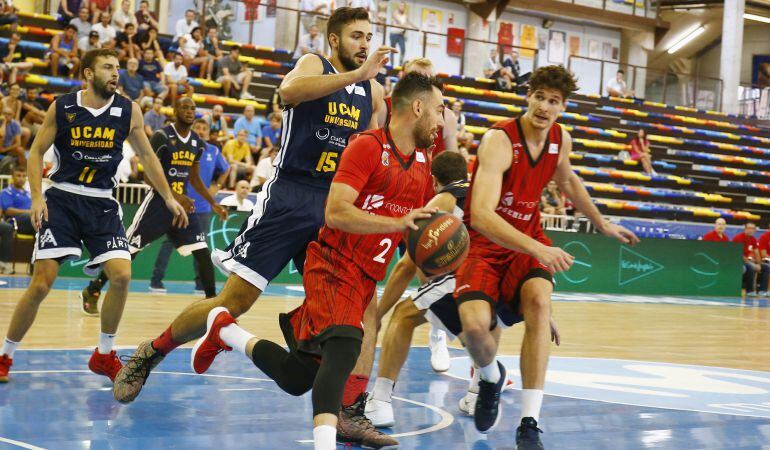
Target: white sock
[
  {"x": 236, "y": 337},
  {"x": 383, "y": 389},
  {"x": 531, "y": 401},
  {"x": 473, "y": 385},
  {"x": 491, "y": 373},
  {"x": 325, "y": 437},
  {"x": 9, "y": 347},
  {"x": 106, "y": 342}
]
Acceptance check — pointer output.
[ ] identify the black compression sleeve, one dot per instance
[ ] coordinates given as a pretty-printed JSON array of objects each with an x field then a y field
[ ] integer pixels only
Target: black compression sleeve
[{"x": 339, "y": 358}]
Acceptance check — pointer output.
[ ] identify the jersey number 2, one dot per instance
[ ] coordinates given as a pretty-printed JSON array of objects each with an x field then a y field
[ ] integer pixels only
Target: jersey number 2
[
  {"x": 327, "y": 162},
  {"x": 387, "y": 243}
]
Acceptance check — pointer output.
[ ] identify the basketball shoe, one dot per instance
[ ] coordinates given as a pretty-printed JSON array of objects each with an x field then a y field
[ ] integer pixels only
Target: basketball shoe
[
  {"x": 487, "y": 412},
  {"x": 131, "y": 378},
  {"x": 380, "y": 413},
  {"x": 210, "y": 345},
  {"x": 528, "y": 435},
  {"x": 467, "y": 404},
  {"x": 439, "y": 353},
  {"x": 108, "y": 365},
  {"x": 89, "y": 299},
  {"x": 354, "y": 427},
  {"x": 5, "y": 367}
]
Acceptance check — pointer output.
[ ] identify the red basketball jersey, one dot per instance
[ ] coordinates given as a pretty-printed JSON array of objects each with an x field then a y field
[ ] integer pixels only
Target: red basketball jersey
[
  {"x": 438, "y": 143},
  {"x": 388, "y": 184},
  {"x": 523, "y": 185}
]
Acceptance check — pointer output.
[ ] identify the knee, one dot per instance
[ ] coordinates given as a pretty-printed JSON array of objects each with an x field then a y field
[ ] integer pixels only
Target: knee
[
  {"x": 40, "y": 285},
  {"x": 536, "y": 308},
  {"x": 120, "y": 278},
  {"x": 237, "y": 306},
  {"x": 476, "y": 327},
  {"x": 404, "y": 316}
]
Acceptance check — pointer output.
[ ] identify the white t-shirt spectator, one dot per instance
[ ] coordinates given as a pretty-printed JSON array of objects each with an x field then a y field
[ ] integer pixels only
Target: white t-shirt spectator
[
  {"x": 183, "y": 28},
  {"x": 615, "y": 86},
  {"x": 105, "y": 33},
  {"x": 491, "y": 65},
  {"x": 265, "y": 169},
  {"x": 191, "y": 47},
  {"x": 313, "y": 45},
  {"x": 232, "y": 200},
  {"x": 120, "y": 17},
  {"x": 175, "y": 74}
]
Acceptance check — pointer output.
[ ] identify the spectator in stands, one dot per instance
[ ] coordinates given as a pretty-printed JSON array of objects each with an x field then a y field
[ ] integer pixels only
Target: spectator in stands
[
  {"x": 751, "y": 260},
  {"x": 185, "y": 25},
  {"x": 311, "y": 42},
  {"x": 127, "y": 44},
  {"x": 68, "y": 10},
  {"x": 252, "y": 126},
  {"x": 145, "y": 18},
  {"x": 152, "y": 75},
  {"x": 11, "y": 152},
  {"x": 616, "y": 87},
  {"x": 457, "y": 109},
  {"x": 154, "y": 118},
  {"x": 82, "y": 23},
  {"x": 239, "y": 200},
  {"x": 400, "y": 19},
  {"x": 640, "y": 151},
  {"x": 91, "y": 42},
  {"x": 107, "y": 33},
  {"x": 238, "y": 155},
  {"x": 218, "y": 130},
  {"x": 33, "y": 110},
  {"x": 271, "y": 133},
  {"x": 14, "y": 58},
  {"x": 264, "y": 170},
  {"x": 64, "y": 52},
  {"x": 149, "y": 40},
  {"x": 718, "y": 233},
  {"x": 232, "y": 74},
  {"x": 13, "y": 101},
  {"x": 131, "y": 84},
  {"x": 191, "y": 47},
  {"x": 100, "y": 8},
  {"x": 465, "y": 145},
  {"x": 8, "y": 14},
  {"x": 175, "y": 74},
  {"x": 552, "y": 200},
  {"x": 15, "y": 202},
  {"x": 511, "y": 60},
  {"x": 123, "y": 16},
  {"x": 491, "y": 65},
  {"x": 213, "y": 52}
]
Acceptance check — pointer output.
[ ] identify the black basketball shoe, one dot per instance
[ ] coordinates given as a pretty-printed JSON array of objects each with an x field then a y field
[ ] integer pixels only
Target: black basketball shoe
[
  {"x": 487, "y": 412},
  {"x": 528, "y": 435}
]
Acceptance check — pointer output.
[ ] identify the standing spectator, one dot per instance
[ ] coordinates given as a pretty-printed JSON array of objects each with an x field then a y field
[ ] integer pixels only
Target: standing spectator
[
  {"x": 152, "y": 75},
  {"x": 640, "y": 151},
  {"x": 252, "y": 126},
  {"x": 145, "y": 18},
  {"x": 369, "y": 5},
  {"x": 211, "y": 162},
  {"x": 232, "y": 74},
  {"x": 64, "y": 52},
  {"x": 491, "y": 65},
  {"x": 14, "y": 58},
  {"x": 154, "y": 119},
  {"x": 123, "y": 16},
  {"x": 10, "y": 132},
  {"x": 91, "y": 43},
  {"x": 127, "y": 44},
  {"x": 751, "y": 260},
  {"x": 99, "y": 8},
  {"x": 400, "y": 20},
  {"x": 237, "y": 153},
  {"x": 191, "y": 47},
  {"x": 82, "y": 24},
  {"x": 218, "y": 130},
  {"x": 68, "y": 10},
  {"x": 552, "y": 200},
  {"x": 616, "y": 87},
  {"x": 718, "y": 233},
  {"x": 239, "y": 200},
  {"x": 213, "y": 52},
  {"x": 312, "y": 42},
  {"x": 175, "y": 74},
  {"x": 265, "y": 170},
  {"x": 149, "y": 40},
  {"x": 15, "y": 202},
  {"x": 107, "y": 33},
  {"x": 271, "y": 133},
  {"x": 130, "y": 82},
  {"x": 185, "y": 25}
]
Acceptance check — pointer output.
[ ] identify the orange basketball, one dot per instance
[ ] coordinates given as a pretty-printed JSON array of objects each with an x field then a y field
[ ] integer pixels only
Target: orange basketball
[{"x": 439, "y": 245}]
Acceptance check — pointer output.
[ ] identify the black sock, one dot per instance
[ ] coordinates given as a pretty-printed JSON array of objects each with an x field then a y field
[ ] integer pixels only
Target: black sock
[
  {"x": 206, "y": 271},
  {"x": 293, "y": 375},
  {"x": 339, "y": 358}
]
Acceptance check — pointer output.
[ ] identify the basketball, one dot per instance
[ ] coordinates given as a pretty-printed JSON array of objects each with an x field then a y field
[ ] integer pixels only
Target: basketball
[{"x": 439, "y": 244}]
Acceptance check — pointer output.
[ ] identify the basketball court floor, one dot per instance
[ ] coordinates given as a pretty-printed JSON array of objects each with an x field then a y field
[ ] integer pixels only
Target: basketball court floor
[{"x": 632, "y": 373}]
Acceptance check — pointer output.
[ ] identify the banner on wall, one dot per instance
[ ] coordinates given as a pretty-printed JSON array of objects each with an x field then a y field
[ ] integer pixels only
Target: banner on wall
[
  {"x": 574, "y": 45},
  {"x": 251, "y": 11},
  {"x": 431, "y": 21},
  {"x": 606, "y": 51},
  {"x": 505, "y": 34},
  {"x": 455, "y": 41},
  {"x": 557, "y": 45},
  {"x": 528, "y": 39},
  {"x": 593, "y": 49}
]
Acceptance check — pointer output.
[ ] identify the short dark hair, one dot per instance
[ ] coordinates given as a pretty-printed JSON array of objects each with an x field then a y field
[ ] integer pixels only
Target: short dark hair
[
  {"x": 19, "y": 168},
  {"x": 553, "y": 77},
  {"x": 412, "y": 85},
  {"x": 89, "y": 60},
  {"x": 448, "y": 167},
  {"x": 70, "y": 26},
  {"x": 129, "y": 24},
  {"x": 343, "y": 16},
  {"x": 620, "y": 71},
  {"x": 200, "y": 120}
]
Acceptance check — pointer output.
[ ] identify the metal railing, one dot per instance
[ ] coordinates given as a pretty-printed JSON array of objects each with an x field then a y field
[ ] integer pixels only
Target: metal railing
[
  {"x": 754, "y": 101},
  {"x": 646, "y": 7}
]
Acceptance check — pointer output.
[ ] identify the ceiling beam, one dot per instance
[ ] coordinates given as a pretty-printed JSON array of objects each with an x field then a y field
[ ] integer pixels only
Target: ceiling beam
[{"x": 558, "y": 9}]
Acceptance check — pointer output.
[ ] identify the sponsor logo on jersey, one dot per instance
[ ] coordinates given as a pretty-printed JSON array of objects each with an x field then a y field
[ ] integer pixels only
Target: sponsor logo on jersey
[
  {"x": 553, "y": 148},
  {"x": 174, "y": 172},
  {"x": 515, "y": 155},
  {"x": 323, "y": 134},
  {"x": 183, "y": 158},
  {"x": 70, "y": 117},
  {"x": 339, "y": 142},
  {"x": 116, "y": 111},
  {"x": 117, "y": 242},
  {"x": 136, "y": 241},
  {"x": 358, "y": 90},
  {"x": 47, "y": 238},
  {"x": 513, "y": 208},
  {"x": 507, "y": 199},
  {"x": 92, "y": 137},
  {"x": 342, "y": 115},
  {"x": 373, "y": 201},
  {"x": 243, "y": 250},
  {"x": 385, "y": 158},
  {"x": 77, "y": 156},
  {"x": 419, "y": 157}
]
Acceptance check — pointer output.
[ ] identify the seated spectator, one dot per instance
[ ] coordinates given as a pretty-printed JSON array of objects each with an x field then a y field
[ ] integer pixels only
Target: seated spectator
[
  {"x": 152, "y": 75},
  {"x": 175, "y": 74},
  {"x": 91, "y": 43},
  {"x": 491, "y": 65},
  {"x": 616, "y": 87},
  {"x": 640, "y": 151},
  {"x": 11, "y": 153},
  {"x": 14, "y": 102},
  {"x": 107, "y": 33},
  {"x": 68, "y": 10},
  {"x": 751, "y": 261},
  {"x": 271, "y": 134},
  {"x": 33, "y": 109},
  {"x": 504, "y": 78},
  {"x": 100, "y": 8},
  {"x": 552, "y": 200},
  {"x": 8, "y": 14},
  {"x": 123, "y": 16},
  {"x": 127, "y": 44},
  {"x": 191, "y": 47},
  {"x": 465, "y": 145},
  {"x": 145, "y": 18},
  {"x": 149, "y": 40},
  {"x": 14, "y": 58},
  {"x": 312, "y": 42},
  {"x": 252, "y": 126},
  {"x": 265, "y": 170},
  {"x": 232, "y": 74},
  {"x": 15, "y": 202},
  {"x": 185, "y": 25},
  {"x": 130, "y": 83},
  {"x": 239, "y": 201},
  {"x": 718, "y": 233},
  {"x": 64, "y": 52},
  {"x": 457, "y": 109},
  {"x": 511, "y": 60},
  {"x": 213, "y": 52},
  {"x": 82, "y": 24},
  {"x": 218, "y": 129},
  {"x": 238, "y": 155},
  {"x": 154, "y": 119}
]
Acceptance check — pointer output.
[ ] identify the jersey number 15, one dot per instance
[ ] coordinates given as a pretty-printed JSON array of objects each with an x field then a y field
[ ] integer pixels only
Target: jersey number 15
[{"x": 327, "y": 162}]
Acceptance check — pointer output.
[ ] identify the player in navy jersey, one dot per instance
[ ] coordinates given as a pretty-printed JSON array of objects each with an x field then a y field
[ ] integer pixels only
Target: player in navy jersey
[
  {"x": 179, "y": 150},
  {"x": 87, "y": 129},
  {"x": 351, "y": 254}
]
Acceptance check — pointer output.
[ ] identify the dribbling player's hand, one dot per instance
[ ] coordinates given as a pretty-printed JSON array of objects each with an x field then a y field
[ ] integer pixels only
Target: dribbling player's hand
[
  {"x": 38, "y": 213},
  {"x": 554, "y": 258},
  {"x": 375, "y": 62},
  {"x": 180, "y": 216},
  {"x": 620, "y": 233},
  {"x": 220, "y": 211},
  {"x": 407, "y": 221}
]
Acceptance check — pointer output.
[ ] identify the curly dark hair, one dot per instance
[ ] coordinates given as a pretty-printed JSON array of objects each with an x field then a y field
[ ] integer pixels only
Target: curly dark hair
[{"x": 554, "y": 77}]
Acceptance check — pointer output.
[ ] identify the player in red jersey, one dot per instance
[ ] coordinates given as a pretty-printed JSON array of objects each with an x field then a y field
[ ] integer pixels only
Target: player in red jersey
[
  {"x": 382, "y": 181},
  {"x": 510, "y": 257}
]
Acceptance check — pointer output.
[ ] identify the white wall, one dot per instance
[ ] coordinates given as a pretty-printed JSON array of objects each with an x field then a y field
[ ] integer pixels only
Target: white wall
[{"x": 755, "y": 42}]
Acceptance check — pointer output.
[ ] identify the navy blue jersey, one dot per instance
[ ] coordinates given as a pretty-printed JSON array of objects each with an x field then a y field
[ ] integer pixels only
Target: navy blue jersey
[
  {"x": 458, "y": 189},
  {"x": 176, "y": 155},
  {"x": 89, "y": 143},
  {"x": 315, "y": 132}
]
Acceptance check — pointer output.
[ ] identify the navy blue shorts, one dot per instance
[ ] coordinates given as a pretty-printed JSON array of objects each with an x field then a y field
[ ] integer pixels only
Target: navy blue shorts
[
  {"x": 286, "y": 218},
  {"x": 153, "y": 220},
  {"x": 75, "y": 220}
]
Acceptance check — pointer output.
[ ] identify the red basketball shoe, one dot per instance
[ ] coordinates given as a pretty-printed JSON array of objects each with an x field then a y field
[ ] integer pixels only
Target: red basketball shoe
[
  {"x": 108, "y": 365},
  {"x": 5, "y": 367},
  {"x": 210, "y": 345}
]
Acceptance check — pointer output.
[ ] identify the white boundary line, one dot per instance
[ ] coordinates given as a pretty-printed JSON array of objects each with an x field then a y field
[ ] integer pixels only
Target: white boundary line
[{"x": 20, "y": 444}]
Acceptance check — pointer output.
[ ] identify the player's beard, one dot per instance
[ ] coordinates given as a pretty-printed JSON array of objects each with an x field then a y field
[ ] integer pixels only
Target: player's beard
[
  {"x": 102, "y": 89},
  {"x": 423, "y": 137},
  {"x": 347, "y": 60}
]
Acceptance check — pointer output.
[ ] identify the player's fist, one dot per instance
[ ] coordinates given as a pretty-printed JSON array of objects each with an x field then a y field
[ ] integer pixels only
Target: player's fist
[
  {"x": 407, "y": 222},
  {"x": 376, "y": 61},
  {"x": 554, "y": 258},
  {"x": 220, "y": 211},
  {"x": 38, "y": 212},
  {"x": 180, "y": 216}
]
